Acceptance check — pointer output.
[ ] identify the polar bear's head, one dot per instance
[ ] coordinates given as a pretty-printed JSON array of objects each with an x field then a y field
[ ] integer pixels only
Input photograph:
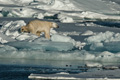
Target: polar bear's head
[
  {"x": 54, "y": 25},
  {"x": 24, "y": 29}
]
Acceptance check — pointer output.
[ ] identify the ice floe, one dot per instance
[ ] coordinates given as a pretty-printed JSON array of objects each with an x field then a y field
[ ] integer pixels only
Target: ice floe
[
  {"x": 87, "y": 33},
  {"x": 104, "y": 41},
  {"x": 97, "y": 47},
  {"x": 42, "y": 46},
  {"x": 67, "y": 11}
]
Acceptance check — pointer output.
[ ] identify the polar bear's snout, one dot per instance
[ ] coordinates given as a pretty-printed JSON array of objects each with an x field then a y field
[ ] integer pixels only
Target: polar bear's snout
[
  {"x": 55, "y": 25},
  {"x": 24, "y": 29}
]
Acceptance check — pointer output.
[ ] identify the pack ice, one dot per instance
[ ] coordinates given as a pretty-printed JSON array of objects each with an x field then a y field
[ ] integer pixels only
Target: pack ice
[
  {"x": 107, "y": 41},
  {"x": 15, "y": 44},
  {"x": 13, "y": 37},
  {"x": 66, "y": 11},
  {"x": 99, "y": 46}
]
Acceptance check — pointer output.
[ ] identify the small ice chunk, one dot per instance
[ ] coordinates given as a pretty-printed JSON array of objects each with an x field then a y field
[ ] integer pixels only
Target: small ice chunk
[
  {"x": 97, "y": 46},
  {"x": 1, "y": 15},
  {"x": 101, "y": 37},
  {"x": 93, "y": 65},
  {"x": 87, "y": 33},
  {"x": 110, "y": 67},
  {"x": 2, "y": 40},
  {"x": 104, "y": 41},
  {"x": 38, "y": 15},
  {"x": 106, "y": 57},
  {"x": 62, "y": 73},
  {"x": 61, "y": 38}
]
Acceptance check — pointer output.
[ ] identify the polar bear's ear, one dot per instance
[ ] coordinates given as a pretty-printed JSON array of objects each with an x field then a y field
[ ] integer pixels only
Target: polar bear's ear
[{"x": 55, "y": 25}]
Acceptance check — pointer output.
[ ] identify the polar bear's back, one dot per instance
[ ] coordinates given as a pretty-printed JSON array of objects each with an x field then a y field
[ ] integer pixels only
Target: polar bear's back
[{"x": 38, "y": 23}]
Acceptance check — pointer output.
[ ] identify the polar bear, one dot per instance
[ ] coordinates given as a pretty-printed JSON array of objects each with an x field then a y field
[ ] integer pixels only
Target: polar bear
[{"x": 37, "y": 26}]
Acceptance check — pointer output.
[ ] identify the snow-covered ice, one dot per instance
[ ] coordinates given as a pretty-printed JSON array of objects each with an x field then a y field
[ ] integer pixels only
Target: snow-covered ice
[
  {"x": 42, "y": 46},
  {"x": 96, "y": 46},
  {"x": 87, "y": 34},
  {"x": 66, "y": 11},
  {"x": 26, "y": 45},
  {"x": 104, "y": 41}
]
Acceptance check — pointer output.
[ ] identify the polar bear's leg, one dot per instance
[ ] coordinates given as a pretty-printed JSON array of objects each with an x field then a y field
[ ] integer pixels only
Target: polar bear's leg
[
  {"x": 38, "y": 33},
  {"x": 47, "y": 34},
  {"x": 33, "y": 32}
]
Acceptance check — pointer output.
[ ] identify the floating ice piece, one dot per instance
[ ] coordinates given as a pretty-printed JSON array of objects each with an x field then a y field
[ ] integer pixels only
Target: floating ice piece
[
  {"x": 101, "y": 37},
  {"x": 97, "y": 46},
  {"x": 110, "y": 67},
  {"x": 52, "y": 77},
  {"x": 95, "y": 75},
  {"x": 38, "y": 15},
  {"x": 104, "y": 41},
  {"x": 93, "y": 65},
  {"x": 87, "y": 33},
  {"x": 61, "y": 38},
  {"x": 107, "y": 57},
  {"x": 62, "y": 73},
  {"x": 1, "y": 15},
  {"x": 54, "y": 53},
  {"x": 107, "y": 36},
  {"x": 43, "y": 45},
  {"x": 112, "y": 46}
]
